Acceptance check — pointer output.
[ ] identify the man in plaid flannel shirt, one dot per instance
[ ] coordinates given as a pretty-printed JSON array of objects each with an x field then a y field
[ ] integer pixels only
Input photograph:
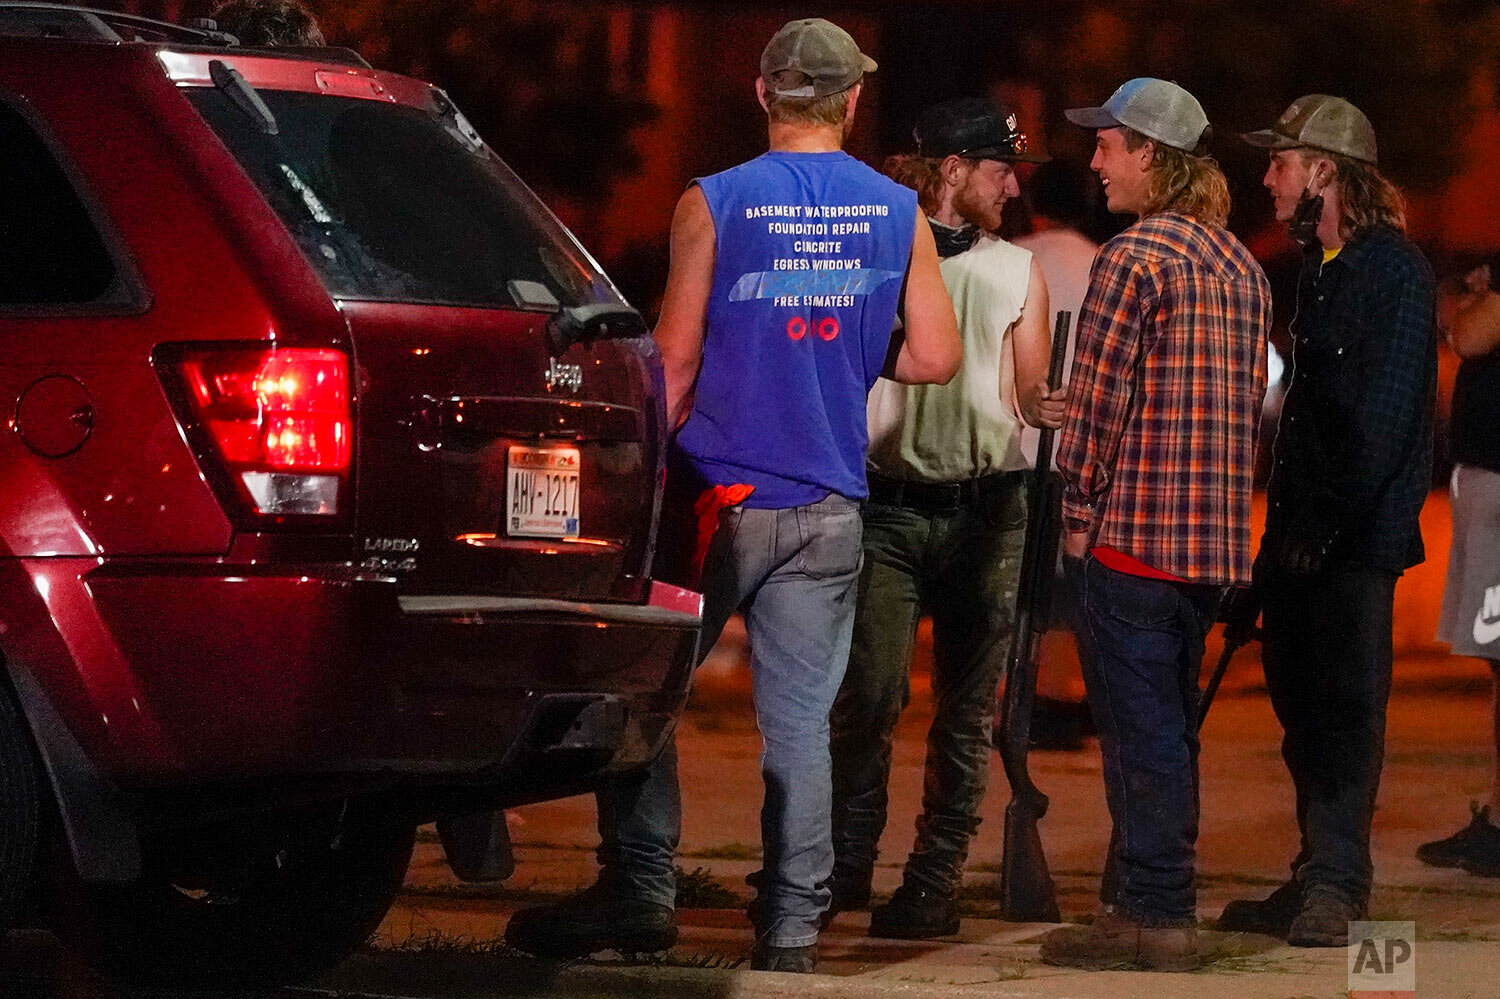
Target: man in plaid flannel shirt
[
  {"x": 1158, "y": 456},
  {"x": 1353, "y": 467}
]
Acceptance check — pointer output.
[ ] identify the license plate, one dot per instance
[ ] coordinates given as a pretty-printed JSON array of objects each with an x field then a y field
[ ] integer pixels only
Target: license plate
[{"x": 541, "y": 492}]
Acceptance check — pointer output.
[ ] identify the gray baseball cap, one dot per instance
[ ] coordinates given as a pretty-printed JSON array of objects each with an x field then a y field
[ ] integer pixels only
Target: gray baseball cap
[
  {"x": 1322, "y": 122},
  {"x": 1159, "y": 110},
  {"x": 812, "y": 57}
]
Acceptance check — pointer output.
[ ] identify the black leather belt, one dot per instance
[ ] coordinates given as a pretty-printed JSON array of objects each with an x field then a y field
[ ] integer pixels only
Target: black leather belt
[{"x": 938, "y": 495}]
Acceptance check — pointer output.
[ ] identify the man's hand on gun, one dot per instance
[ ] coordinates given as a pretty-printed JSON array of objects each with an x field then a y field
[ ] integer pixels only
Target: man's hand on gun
[
  {"x": 1296, "y": 556},
  {"x": 1240, "y": 614},
  {"x": 1075, "y": 544},
  {"x": 1050, "y": 407}
]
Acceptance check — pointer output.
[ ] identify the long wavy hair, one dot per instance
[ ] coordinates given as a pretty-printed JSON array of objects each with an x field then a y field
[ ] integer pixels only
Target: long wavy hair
[
  {"x": 1183, "y": 182},
  {"x": 921, "y": 174},
  {"x": 1366, "y": 198}
]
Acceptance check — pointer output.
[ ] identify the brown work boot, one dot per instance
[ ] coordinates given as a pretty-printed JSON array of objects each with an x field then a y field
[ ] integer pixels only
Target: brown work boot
[
  {"x": 1324, "y": 919},
  {"x": 1115, "y": 940}
]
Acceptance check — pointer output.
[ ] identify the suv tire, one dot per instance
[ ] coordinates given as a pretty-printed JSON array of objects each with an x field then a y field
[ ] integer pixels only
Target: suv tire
[
  {"x": 283, "y": 910},
  {"x": 20, "y": 811}
]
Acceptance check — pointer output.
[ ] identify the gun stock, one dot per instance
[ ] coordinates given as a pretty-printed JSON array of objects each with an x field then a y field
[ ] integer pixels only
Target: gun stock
[{"x": 1027, "y": 893}]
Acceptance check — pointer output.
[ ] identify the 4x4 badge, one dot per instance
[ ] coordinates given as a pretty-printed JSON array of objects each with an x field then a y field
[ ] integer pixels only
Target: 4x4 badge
[{"x": 564, "y": 376}]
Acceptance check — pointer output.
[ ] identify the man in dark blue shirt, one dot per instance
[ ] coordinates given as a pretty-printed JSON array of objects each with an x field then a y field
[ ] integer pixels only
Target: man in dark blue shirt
[{"x": 1353, "y": 467}]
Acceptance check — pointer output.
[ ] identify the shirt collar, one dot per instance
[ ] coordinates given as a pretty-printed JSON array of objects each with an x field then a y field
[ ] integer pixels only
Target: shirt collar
[{"x": 1360, "y": 246}]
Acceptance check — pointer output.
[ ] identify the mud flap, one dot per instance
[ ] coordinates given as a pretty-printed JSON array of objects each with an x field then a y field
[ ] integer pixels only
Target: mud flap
[{"x": 477, "y": 845}]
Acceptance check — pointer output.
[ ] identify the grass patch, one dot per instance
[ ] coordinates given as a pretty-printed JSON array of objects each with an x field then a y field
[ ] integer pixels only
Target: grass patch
[
  {"x": 1011, "y": 971},
  {"x": 701, "y": 962},
  {"x": 1251, "y": 964},
  {"x": 465, "y": 892},
  {"x": 728, "y": 851},
  {"x": 699, "y": 889},
  {"x": 436, "y": 942}
]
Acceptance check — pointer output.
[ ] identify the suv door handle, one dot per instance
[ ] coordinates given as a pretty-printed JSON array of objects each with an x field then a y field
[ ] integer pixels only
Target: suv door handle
[{"x": 426, "y": 423}]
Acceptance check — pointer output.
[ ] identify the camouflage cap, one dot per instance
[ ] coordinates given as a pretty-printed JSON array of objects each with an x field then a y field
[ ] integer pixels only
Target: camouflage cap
[{"x": 1320, "y": 122}]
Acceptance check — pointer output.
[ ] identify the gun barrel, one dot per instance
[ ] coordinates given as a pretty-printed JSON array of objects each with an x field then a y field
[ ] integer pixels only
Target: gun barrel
[{"x": 1026, "y": 888}]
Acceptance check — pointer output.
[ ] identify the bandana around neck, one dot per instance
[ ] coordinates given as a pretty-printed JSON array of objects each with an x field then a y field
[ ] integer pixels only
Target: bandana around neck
[{"x": 953, "y": 240}]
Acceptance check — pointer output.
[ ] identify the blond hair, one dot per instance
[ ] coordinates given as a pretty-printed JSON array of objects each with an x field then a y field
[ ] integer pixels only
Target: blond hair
[
  {"x": 920, "y": 173},
  {"x": 1182, "y": 182},
  {"x": 829, "y": 110}
]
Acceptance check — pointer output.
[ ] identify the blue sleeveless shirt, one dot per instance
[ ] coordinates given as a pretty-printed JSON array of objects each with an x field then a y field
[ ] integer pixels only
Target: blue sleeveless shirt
[{"x": 812, "y": 250}]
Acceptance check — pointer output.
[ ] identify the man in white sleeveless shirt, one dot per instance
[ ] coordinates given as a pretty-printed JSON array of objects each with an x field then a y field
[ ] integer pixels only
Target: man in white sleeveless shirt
[{"x": 944, "y": 526}]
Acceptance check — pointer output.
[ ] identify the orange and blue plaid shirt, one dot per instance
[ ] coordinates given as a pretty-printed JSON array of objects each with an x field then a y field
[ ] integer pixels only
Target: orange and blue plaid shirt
[{"x": 1169, "y": 373}]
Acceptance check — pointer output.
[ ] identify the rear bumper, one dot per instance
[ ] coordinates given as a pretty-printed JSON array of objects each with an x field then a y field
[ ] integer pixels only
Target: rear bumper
[{"x": 272, "y": 677}]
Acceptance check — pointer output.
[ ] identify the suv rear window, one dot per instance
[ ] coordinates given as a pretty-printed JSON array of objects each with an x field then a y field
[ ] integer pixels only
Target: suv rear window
[
  {"x": 50, "y": 252},
  {"x": 390, "y": 203}
]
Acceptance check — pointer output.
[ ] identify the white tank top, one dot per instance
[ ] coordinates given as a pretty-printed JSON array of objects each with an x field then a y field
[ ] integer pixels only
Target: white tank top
[{"x": 969, "y": 427}]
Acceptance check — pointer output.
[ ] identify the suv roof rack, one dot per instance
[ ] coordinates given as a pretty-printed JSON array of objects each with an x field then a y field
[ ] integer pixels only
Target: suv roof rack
[
  {"x": 67, "y": 21},
  {"x": 56, "y": 20}
]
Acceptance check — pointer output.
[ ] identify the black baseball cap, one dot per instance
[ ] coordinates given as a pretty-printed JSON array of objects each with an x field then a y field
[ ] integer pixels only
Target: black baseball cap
[{"x": 975, "y": 128}]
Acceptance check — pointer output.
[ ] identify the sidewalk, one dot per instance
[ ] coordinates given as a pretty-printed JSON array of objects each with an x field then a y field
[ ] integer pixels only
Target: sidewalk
[{"x": 1436, "y": 760}]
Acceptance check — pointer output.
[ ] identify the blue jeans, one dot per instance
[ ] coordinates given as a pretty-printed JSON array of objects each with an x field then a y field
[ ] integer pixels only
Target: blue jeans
[
  {"x": 1142, "y": 645},
  {"x": 793, "y": 572}
]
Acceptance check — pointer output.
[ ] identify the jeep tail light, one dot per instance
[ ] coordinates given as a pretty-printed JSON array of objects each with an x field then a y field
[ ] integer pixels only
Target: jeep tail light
[{"x": 279, "y": 418}]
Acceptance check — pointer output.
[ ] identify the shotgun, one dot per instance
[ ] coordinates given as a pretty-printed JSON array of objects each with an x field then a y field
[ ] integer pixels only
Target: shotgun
[
  {"x": 1239, "y": 613},
  {"x": 1027, "y": 894}
]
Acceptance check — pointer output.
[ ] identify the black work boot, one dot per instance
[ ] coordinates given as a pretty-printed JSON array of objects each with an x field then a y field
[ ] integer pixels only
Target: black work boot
[
  {"x": 1477, "y": 843},
  {"x": 597, "y": 918},
  {"x": 915, "y": 914},
  {"x": 1272, "y": 915},
  {"x": 1324, "y": 919},
  {"x": 851, "y": 892},
  {"x": 795, "y": 960}
]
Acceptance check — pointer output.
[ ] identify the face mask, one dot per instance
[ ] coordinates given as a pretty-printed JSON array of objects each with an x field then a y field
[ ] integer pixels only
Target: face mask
[
  {"x": 1309, "y": 211},
  {"x": 953, "y": 241}
]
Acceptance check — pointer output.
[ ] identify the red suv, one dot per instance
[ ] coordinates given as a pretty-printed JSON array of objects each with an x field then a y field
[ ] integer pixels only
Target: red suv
[{"x": 329, "y": 498}]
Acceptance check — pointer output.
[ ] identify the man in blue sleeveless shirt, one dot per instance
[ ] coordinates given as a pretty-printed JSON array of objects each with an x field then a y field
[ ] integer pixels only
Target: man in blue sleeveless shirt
[{"x": 786, "y": 277}]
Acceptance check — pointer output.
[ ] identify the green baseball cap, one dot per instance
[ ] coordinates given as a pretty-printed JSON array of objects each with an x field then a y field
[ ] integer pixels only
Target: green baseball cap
[
  {"x": 812, "y": 57},
  {"x": 1320, "y": 122}
]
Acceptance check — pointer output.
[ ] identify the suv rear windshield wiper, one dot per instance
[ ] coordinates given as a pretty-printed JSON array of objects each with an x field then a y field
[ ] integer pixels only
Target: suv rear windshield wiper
[{"x": 242, "y": 95}]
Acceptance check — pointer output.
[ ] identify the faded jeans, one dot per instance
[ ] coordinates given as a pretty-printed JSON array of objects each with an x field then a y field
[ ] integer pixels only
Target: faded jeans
[
  {"x": 963, "y": 566},
  {"x": 793, "y": 572}
]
